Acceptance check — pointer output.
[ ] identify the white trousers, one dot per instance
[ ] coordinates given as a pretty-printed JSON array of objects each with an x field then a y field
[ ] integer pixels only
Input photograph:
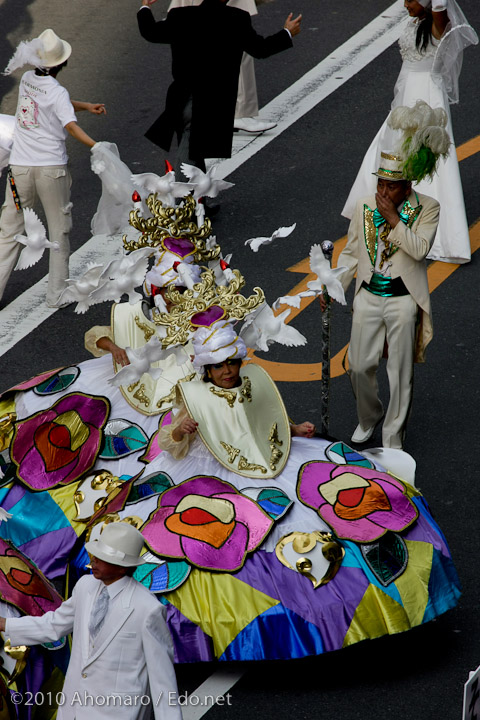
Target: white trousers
[
  {"x": 376, "y": 319},
  {"x": 50, "y": 185},
  {"x": 247, "y": 99}
]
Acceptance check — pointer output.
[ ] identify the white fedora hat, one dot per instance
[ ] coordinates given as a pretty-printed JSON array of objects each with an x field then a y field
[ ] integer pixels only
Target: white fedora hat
[
  {"x": 55, "y": 50},
  {"x": 119, "y": 544}
]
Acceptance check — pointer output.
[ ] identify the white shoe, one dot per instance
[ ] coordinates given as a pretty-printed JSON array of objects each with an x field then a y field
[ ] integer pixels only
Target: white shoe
[
  {"x": 361, "y": 436},
  {"x": 252, "y": 125}
]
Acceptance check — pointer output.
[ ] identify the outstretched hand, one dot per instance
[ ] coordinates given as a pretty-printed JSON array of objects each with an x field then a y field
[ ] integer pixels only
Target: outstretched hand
[
  {"x": 293, "y": 25},
  {"x": 96, "y": 108}
]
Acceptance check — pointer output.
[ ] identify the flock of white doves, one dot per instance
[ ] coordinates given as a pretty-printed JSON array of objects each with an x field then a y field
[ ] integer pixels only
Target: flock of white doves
[{"x": 120, "y": 276}]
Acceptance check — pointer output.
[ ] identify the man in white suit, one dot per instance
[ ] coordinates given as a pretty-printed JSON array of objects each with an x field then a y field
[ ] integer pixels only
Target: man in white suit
[
  {"x": 122, "y": 654},
  {"x": 389, "y": 238}
]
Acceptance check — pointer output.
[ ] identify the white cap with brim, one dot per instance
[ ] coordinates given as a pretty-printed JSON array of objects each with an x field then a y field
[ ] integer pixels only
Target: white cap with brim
[
  {"x": 391, "y": 167},
  {"x": 119, "y": 544}
]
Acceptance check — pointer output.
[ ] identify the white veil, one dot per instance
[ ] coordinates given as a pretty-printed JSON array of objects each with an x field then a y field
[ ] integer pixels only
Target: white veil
[{"x": 458, "y": 35}]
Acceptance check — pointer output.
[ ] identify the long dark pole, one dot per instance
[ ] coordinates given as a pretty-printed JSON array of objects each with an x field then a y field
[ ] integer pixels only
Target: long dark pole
[{"x": 327, "y": 249}]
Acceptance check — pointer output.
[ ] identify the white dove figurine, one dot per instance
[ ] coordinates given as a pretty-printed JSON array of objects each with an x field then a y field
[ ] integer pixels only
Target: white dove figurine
[
  {"x": 262, "y": 328},
  {"x": 35, "y": 242},
  {"x": 255, "y": 243},
  {"x": 165, "y": 187},
  {"x": 204, "y": 184},
  {"x": 292, "y": 300},
  {"x": 326, "y": 276},
  {"x": 123, "y": 276},
  {"x": 141, "y": 360},
  {"x": 79, "y": 289}
]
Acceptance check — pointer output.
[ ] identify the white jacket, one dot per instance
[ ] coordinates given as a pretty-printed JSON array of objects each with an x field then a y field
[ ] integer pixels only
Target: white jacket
[{"x": 131, "y": 667}]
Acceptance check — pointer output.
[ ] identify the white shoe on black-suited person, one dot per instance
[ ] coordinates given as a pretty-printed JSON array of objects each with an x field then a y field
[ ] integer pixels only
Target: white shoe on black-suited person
[{"x": 252, "y": 125}]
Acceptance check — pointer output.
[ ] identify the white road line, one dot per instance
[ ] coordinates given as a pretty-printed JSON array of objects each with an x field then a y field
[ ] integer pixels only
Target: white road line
[
  {"x": 319, "y": 83},
  {"x": 199, "y": 702},
  {"x": 29, "y": 310}
]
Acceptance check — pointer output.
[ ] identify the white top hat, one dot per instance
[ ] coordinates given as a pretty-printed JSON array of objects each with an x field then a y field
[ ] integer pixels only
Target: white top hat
[
  {"x": 391, "y": 167},
  {"x": 119, "y": 544}
]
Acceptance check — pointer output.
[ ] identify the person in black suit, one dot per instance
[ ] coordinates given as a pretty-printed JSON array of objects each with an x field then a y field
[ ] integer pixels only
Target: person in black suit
[{"x": 207, "y": 43}]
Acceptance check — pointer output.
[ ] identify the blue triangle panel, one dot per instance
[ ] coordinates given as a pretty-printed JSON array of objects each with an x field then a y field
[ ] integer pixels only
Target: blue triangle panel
[
  {"x": 443, "y": 587},
  {"x": 276, "y": 634}
]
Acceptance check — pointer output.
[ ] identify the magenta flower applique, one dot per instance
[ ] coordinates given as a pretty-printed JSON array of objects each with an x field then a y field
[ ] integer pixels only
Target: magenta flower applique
[
  {"x": 208, "y": 522},
  {"x": 358, "y": 503}
]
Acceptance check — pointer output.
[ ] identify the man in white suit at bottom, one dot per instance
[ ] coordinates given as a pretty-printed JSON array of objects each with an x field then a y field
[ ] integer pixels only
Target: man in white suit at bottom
[{"x": 122, "y": 652}]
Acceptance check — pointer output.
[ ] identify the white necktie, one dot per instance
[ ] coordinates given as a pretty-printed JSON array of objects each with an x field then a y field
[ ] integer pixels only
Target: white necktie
[{"x": 99, "y": 612}]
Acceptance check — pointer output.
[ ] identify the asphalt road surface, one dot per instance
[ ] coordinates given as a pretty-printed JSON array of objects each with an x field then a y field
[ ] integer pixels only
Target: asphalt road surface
[{"x": 303, "y": 175}]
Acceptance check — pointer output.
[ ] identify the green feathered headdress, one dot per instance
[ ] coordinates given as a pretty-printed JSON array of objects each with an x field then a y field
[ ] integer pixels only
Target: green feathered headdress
[{"x": 425, "y": 139}]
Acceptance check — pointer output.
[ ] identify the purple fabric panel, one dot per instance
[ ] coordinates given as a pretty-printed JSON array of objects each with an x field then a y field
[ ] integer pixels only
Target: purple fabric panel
[
  {"x": 423, "y": 531},
  {"x": 13, "y": 496},
  {"x": 330, "y": 607},
  {"x": 190, "y": 642},
  {"x": 51, "y": 551}
]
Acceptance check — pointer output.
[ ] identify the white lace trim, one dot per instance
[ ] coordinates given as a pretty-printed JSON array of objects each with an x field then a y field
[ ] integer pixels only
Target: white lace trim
[{"x": 408, "y": 49}]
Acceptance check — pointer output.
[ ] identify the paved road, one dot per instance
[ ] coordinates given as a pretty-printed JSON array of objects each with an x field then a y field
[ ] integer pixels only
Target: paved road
[{"x": 302, "y": 176}]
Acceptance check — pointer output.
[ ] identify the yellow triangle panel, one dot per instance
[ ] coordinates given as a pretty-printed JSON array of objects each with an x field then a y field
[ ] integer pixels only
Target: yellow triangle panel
[{"x": 220, "y": 604}]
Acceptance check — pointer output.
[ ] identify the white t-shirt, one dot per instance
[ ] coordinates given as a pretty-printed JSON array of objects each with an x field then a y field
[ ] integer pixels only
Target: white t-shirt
[{"x": 43, "y": 110}]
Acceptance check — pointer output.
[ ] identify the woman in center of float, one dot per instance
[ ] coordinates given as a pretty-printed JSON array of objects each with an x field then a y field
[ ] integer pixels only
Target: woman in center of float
[{"x": 232, "y": 406}]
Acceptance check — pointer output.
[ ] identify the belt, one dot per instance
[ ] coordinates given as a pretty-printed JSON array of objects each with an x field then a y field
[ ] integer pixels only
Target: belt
[{"x": 385, "y": 286}]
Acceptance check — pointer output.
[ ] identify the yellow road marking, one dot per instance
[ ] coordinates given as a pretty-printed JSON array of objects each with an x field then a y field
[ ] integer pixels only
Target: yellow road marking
[{"x": 468, "y": 149}]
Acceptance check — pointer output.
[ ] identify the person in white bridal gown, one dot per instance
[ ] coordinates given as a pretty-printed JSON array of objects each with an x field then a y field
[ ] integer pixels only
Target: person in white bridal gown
[{"x": 431, "y": 47}]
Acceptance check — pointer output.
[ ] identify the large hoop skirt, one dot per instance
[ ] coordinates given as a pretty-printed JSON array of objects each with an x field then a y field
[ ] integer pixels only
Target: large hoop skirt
[{"x": 235, "y": 599}]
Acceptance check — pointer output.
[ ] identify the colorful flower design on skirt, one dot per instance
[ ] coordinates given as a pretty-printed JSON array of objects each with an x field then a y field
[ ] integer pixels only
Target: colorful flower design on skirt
[
  {"x": 23, "y": 585},
  {"x": 358, "y": 503},
  {"x": 208, "y": 522},
  {"x": 60, "y": 444}
]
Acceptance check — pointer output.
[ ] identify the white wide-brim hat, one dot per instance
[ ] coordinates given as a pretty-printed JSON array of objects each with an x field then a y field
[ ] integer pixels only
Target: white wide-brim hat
[
  {"x": 119, "y": 544},
  {"x": 55, "y": 50},
  {"x": 391, "y": 167}
]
